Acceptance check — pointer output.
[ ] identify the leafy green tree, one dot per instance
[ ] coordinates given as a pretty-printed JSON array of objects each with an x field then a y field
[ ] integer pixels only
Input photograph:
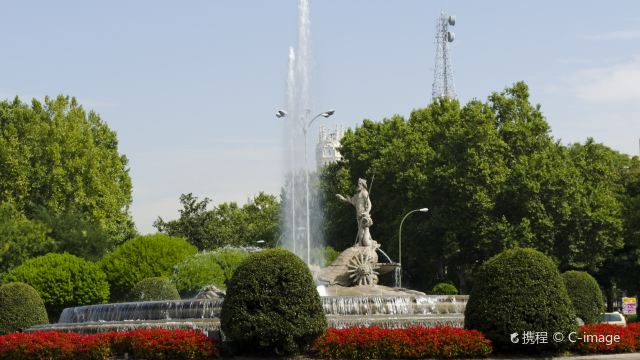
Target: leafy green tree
[
  {"x": 192, "y": 223},
  {"x": 618, "y": 271},
  {"x": 225, "y": 224},
  {"x": 58, "y": 156},
  {"x": 75, "y": 235},
  {"x": 20, "y": 238},
  {"x": 493, "y": 178},
  {"x": 631, "y": 211}
]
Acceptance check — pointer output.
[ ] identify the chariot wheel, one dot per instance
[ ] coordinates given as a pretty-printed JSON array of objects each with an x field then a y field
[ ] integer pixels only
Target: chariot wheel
[{"x": 362, "y": 270}]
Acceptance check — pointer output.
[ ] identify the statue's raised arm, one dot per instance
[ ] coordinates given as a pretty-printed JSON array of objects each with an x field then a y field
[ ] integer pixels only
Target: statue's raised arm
[{"x": 343, "y": 198}]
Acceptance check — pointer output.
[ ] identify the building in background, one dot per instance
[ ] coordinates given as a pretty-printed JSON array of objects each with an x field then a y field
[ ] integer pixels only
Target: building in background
[{"x": 328, "y": 143}]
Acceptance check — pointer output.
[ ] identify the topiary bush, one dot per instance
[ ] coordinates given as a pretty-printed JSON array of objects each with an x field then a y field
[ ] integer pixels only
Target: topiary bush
[
  {"x": 20, "y": 307},
  {"x": 206, "y": 268},
  {"x": 444, "y": 289},
  {"x": 140, "y": 258},
  {"x": 272, "y": 305},
  {"x": 62, "y": 280},
  {"x": 585, "y": 295},
  {"x": 229, "y": 260},
  {"x": 519, "y": 290},
  {"x": 154, "y": 289}
]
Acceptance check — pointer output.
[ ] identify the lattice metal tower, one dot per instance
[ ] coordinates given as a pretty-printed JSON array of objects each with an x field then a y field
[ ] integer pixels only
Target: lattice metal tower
[{"x": 443, "y": 70}]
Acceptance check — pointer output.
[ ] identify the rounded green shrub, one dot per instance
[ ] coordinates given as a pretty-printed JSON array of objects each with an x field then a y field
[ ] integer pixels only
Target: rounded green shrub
[
  {"x": 517, "y": 291},
  {"x": 140, "y": 258},
  {"x": 62, "y": 280},
  {"x": 444, "y": 289},
  {"x": 206, "y": 268},
  {"x": 585, "y": 295},
  {"x": 154, "y": 289},
  {"x": 272, "y": 305},
  {"x": 20, "y": 307}
]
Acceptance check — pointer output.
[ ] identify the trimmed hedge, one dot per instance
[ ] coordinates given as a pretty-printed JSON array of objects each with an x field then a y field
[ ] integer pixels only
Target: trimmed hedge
[
  {"x": 20, "y": 307},
  {"x": 62, "y": 280},
  {"x": 409, "y": 343},
  {"x": 519, "y": 290},
  {"x": 140, "y": 258},
  {"x": 272, "y": 305},
  {"x": 154, "y": 289},
  {"x": 206, "y": 268},
  {"x": 444, "y": 289},
  {"x": 585, "y": 295}
]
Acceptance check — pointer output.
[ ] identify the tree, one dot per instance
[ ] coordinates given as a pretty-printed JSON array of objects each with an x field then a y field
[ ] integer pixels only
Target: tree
[
  {"x": 20, "y": 238},
  {"x": 225, "y": 224},
  {"x": 57, "y": 156},
  {"x": 493, "y": 178},
  {"x": 75, "y": 235},
  {"x": 192, "y": 223},
  {"x": 618, "y": 271}
]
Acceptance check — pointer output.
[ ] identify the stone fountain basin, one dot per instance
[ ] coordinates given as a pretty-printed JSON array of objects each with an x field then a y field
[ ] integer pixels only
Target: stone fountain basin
[
  {"x": 354, "y": 306},
  {"x": 385, "y": 268}
]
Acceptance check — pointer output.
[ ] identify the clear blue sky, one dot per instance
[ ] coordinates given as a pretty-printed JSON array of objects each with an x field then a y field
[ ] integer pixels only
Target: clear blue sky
[{"x": 191, "y": 86}]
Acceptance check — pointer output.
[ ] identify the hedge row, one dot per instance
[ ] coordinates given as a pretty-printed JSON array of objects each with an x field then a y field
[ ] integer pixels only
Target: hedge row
[
  {"x": 62, "y": 280},
  {"x": 65, "y": 280},
  {"x": 149, "y": 344}
]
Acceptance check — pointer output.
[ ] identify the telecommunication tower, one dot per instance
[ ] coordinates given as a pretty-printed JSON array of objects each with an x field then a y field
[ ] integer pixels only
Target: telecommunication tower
[{"x": 443, "y": 72}]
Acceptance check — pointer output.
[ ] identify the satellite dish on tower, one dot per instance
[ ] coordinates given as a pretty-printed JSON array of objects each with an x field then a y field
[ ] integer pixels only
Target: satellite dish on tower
[
  {"x": 450, "y": 36},
  {"x": 452, "y": 20}
]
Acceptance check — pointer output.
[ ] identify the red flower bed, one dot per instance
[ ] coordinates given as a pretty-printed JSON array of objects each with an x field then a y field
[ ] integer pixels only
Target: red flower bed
[
  {"x": 52, "y": 345},
  {"x": 149, "y": 344},
  {"x": 418, "y": 342},
  {"x": 635, "y": 329},
  {"x": 606, "y": 338}
]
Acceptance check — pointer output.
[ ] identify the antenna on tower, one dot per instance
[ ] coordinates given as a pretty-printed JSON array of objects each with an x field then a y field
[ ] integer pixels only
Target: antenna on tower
[{"x": 443, "y": 72}]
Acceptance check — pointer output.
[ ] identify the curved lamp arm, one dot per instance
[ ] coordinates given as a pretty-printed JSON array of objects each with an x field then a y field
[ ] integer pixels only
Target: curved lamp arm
[{"x": 400, "y": 240}]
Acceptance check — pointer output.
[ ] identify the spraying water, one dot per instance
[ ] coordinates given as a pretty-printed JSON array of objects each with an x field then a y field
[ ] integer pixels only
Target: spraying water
[{"x": 301, "y": 211}]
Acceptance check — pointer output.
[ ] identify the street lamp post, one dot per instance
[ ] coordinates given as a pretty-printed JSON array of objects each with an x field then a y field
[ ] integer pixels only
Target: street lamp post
[
  {"x": 424, "y": 210},
  {"x": 281, "y": 114},
  {"x": 305, "y": 127}
]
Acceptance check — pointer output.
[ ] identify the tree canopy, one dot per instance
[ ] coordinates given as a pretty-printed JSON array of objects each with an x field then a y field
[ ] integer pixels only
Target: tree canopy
[
  {"x": 493, "y": 178},
  {"x": 225, "y": 224},
  {"x": 64, "y": 186}
]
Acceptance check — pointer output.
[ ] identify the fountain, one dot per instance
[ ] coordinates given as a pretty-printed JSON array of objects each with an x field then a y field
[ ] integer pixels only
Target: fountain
[
  {"x": 349, "y": 288},
  {"x": 300, "y": 206}
]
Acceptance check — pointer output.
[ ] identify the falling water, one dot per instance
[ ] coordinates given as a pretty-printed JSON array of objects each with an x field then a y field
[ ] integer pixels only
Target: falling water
[
  {"x": 301, "y": 211},
  {"x": 390, "y": 311},
  {"x": 173, "y": 310},
  {"x": 397, "y": 273}
]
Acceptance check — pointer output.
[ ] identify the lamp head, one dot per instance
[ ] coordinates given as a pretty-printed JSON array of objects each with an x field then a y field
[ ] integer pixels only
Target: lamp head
[
  {"x": 423, "y": 210},
  {"x": 281, "y": 113},
  {"x": 326, "y": 114}
]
